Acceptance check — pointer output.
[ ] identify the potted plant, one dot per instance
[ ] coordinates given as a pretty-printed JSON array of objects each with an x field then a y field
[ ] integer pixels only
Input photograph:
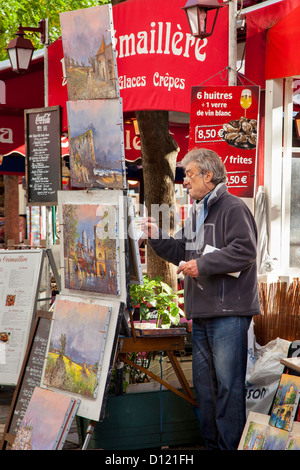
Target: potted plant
[{"x": 155, "y": 293}]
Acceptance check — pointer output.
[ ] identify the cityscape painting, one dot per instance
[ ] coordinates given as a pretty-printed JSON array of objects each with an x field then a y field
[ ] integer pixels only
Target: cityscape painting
[
  {"x": 76, "y": 346},
  {"x": 91, "y": 248},
  {"x": 87, "y": 37},
  {"x": 96, "y": 142}
]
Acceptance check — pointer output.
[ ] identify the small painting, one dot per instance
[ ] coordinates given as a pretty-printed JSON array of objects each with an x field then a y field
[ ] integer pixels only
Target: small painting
[
  {"x": 285, "y": 402},
  {"x": 89, "y": 55},
  {"x": 91, "y": 248},
  {"x": 46, "y": 422},
  {"x": 259, "y": 435},
  {"x": 76, "y": 346},
  {"x": 96, "y": 144}
]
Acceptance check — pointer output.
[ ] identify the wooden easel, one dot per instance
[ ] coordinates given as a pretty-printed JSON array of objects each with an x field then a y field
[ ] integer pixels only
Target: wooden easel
[{"x": 152, "y": 340}]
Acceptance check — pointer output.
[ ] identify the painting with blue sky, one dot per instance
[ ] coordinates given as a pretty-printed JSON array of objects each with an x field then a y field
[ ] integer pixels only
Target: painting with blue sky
[
  {"x": 76, "y": 348},
  {"x": 96, "y": 139},
  {"x": 89, "y": 55}
]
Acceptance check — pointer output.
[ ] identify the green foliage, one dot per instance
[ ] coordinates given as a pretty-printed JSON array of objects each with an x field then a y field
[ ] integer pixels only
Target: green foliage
[
  {"x": 156, "y": 293},
  {"x": 30, "y": 12}
]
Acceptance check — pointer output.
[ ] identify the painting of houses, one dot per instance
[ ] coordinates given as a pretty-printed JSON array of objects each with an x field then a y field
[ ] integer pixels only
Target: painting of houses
[
  {"x": 89, "y": 54},
  {"x": 91, "y": 248},
  {"x": 76, "y": 348},
  {"x": 285, "y": 402},
  {"x": 97, "y": 155}
]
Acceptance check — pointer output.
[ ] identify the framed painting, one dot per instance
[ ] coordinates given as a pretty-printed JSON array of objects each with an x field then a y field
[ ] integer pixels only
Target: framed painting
[
  {"x": 285, "y": 402},
  {"x": 96, "y": 141},
  {"x": 259, "y": 435},
  {"x": 46, "y": 422},
  {"x": 89, "y": 53},
  {"x": 77, "y": 342},
  {"x": 80, "y": 347},
  {"x": 92, "y": 243}
]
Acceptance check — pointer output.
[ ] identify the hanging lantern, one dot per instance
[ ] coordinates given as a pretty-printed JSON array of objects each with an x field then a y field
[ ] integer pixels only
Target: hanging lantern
[{"x": 197, "y": 14}]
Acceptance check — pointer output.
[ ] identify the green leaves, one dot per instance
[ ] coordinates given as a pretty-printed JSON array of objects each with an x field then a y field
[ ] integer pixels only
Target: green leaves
[
  {"x": 159, "y": 295},
  {"x": 30, "y": 12}
]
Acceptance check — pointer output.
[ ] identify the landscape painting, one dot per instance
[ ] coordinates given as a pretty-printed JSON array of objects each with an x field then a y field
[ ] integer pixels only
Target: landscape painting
[
  {"x": 91, "y": 248},
  {"x": 46, "y": 422},
  {"x": 96, "y": 142},
  {"x": 90, "y": 62},
  {"x": 76, "y": 347}
]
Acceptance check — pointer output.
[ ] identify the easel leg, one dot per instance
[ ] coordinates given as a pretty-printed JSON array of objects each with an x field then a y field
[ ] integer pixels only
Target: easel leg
[{"x": 89, "y": 432}]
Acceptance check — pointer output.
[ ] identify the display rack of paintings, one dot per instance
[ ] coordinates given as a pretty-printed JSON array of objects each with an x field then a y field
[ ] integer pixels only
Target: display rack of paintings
[
  {"x": 96, "y": 140},
  {"x": 80, "y": 345},
  {"x": 47, "y": 421},
  {"x": 90, "y": 59},
  {"x": 92, "y": 243}
]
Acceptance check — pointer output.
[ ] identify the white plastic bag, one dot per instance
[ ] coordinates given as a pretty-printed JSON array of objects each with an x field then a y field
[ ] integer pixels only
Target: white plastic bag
[{"x": 263, "y": 378}]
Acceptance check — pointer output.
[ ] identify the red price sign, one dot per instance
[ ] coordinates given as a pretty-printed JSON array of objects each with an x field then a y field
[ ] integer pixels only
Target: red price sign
[
  {"x": 225, "y": 119},
  {"x": 213, "y": 133}
]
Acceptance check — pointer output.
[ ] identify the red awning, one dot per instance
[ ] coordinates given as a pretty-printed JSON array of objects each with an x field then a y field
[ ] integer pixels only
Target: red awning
[
  {"x": 282, "y": 50},
  {"x": 259, "y": 23}
]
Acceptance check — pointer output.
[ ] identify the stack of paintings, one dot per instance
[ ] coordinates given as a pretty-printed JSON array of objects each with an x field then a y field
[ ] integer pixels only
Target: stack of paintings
[
  {"x": 95, "y": 118},
  {"x": 281, "y": 429}
]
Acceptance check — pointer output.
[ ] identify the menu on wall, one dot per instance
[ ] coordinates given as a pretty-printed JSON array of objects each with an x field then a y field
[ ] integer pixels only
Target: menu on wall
[
  {"x": 225, "y": 119},
  {"x": 43, "y": 155},
  {"x": 20, "y": 273}
]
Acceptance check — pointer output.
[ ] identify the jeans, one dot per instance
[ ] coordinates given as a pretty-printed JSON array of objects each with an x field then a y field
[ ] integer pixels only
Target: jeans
[{"x": 219, "y": 370}]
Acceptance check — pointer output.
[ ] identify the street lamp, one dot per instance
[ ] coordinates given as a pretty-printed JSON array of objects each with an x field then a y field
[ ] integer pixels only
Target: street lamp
[
  {"x": 196, "y": 12},
  {"x": 20, "y": 49}
]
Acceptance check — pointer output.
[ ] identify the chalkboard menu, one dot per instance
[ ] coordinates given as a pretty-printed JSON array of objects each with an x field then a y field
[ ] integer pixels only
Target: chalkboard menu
[
  {"x": 30, "y": 376},
  {"x": 43, "y": 155}
]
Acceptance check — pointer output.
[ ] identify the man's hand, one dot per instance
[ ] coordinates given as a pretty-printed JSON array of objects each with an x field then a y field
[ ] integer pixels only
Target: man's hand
[
  {"x": 149, "y": 227},
  {"x": 189, "y": 268}
]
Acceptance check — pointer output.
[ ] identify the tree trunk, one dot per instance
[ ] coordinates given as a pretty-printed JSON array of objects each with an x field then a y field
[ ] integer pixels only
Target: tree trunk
[
  {"x": 11, "y": 208},
  {"x": 159, "y": 153}
]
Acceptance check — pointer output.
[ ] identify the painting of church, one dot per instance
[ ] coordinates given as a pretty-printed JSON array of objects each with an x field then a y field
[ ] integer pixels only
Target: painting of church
[
  {"x": 285, "y": 402},
  {"x": 89, "y": 54},
  {"x": 91, "y": 248}
]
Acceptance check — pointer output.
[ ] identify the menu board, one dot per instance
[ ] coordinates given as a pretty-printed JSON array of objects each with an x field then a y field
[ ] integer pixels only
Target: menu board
[
  {"x": 20, "y": 274},
  {"x": 225, "y": 119},
  {"x": 31, "y": 373},
  {"x": 43, "y": 155}
]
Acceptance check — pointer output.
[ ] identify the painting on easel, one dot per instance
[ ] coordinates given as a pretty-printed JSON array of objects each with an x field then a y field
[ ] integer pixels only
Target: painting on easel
[
  {"x": 97, "y": 155},
  {"x": 90, "y": 59},
  {"x": 46, "y": 422},
  {"x": 77, "y": 342},
  {"x": 90, "y": 248},
  {"x": 92, "y": 243}
]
